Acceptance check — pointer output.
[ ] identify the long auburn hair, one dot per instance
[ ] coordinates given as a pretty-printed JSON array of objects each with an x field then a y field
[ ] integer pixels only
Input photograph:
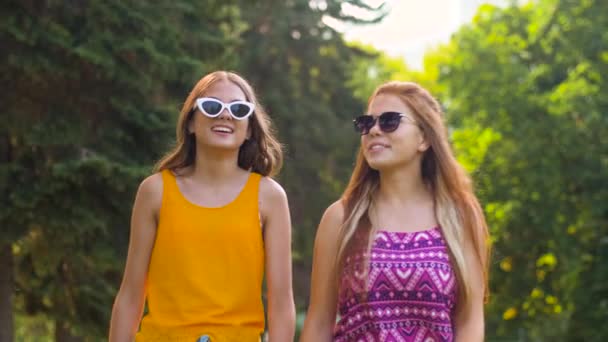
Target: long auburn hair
[
  {"x": 456, "y": 208},
  {"x": 261, "y": 153}
]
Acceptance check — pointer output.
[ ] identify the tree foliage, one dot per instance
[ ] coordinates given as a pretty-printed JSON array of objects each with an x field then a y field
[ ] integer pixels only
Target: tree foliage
[
  {"x": 91, "y": 91},
  {"x": 524, "y": 92}
]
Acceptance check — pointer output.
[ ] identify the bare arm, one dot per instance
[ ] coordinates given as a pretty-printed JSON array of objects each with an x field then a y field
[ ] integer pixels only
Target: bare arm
[
  {"x": 129, "y": 302},
  {"x": 277, "y": 243},
  {"x": 469, "y": 322},
  {"x": 321, "y": 315}
]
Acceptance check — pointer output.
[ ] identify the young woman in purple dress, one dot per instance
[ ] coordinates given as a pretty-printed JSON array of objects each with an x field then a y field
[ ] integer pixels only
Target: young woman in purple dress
[{"x": 403, "y": 255}]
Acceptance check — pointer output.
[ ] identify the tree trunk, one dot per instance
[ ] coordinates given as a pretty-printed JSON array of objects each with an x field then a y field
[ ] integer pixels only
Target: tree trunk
[
  {"x": 6, "y": 293},
  {"x": 63, "y": 333}
]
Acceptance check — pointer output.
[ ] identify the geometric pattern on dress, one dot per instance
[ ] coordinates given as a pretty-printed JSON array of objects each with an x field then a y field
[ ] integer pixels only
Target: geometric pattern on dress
[{"x": 409, "y": 294}]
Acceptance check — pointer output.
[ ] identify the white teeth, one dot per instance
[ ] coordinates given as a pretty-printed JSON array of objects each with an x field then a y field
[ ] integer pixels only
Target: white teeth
[
  {"x": 222, "y": 129},
  {"x": 376, "y": 147}
]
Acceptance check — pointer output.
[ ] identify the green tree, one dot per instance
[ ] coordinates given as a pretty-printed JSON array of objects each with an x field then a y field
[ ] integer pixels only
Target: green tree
[
  {"x": 90, "y": 92},
  {"x": 375, "y": 68},
  {"x": 523, "y": 87}
]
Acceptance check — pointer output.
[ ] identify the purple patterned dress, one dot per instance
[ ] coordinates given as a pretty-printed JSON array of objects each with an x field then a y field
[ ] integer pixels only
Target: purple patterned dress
[{"x": 410, "y": 295}]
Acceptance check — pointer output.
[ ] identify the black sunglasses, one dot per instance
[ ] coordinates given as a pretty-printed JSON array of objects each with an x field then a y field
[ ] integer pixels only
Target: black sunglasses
[{"x": 388, "y": 122}]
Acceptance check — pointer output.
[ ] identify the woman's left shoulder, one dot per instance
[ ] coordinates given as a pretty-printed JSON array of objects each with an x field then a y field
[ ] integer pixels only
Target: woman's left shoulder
[{"x": 271, "y": 190}]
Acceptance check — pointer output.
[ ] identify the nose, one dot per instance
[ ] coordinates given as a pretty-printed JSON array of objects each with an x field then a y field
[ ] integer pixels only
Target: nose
[
  {"x": 375, "y": 129},
  {"x": 225, "y": 114}
]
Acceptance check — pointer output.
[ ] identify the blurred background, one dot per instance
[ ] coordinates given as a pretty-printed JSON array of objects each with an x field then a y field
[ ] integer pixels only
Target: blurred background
[{"x": 91, "y": 91}]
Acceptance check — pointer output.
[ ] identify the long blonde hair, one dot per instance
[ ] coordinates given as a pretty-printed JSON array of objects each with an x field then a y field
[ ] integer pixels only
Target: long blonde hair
[
  {"x": 261, "y": 153},
  {"x": 456, "y": 208}
]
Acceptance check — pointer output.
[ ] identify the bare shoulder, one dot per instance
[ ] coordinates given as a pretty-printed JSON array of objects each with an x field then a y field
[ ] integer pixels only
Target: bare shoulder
[
  {"x": 271, "y": 191},
  {"x": 150, "y": 191},
  {"x": 331, "y": 222},
  {"x": 152, "y": 184},
  {"x": 334, "y": 214},
  {"x": 273, "y": 204}
]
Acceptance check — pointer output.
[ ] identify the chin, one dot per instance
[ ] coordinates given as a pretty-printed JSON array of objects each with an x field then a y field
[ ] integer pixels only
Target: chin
[
  {"x": 227, "y": 146},
  {"x": 222, "y": 145},
  {"x": 380, "y": 164}
]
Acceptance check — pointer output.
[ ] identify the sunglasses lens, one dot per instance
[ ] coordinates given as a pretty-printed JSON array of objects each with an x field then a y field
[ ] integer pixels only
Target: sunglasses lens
[
  {"x": 240, "y": 110},
  {"x": 363, "y": 124},
  {"x": 389, "y": 121},
  {"x": 211, "y": 107}
]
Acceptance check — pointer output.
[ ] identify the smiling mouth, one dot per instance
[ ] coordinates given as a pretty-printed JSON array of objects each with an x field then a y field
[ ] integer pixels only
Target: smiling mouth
[
  {"x": 376, "y": 147},
  {"x": 222, "y": 129}
]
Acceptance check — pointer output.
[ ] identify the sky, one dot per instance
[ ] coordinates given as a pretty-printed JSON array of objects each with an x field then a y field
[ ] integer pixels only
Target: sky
[{"x": 413, "y": 26}]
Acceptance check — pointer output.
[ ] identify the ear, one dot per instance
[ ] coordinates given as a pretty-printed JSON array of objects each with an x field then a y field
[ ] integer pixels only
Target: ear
[
  {"x": 423, "y": 143},
  {"x": 190, "y": 123}
]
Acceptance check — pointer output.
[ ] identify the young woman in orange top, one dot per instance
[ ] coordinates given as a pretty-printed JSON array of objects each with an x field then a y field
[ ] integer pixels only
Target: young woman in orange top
[{"x": 207, "y": 226}]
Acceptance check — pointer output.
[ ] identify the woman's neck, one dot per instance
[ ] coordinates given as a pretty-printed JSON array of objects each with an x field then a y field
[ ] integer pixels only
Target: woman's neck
[
  {"x": 403, "y": 185},
  {"x": 215, "y": 164}
]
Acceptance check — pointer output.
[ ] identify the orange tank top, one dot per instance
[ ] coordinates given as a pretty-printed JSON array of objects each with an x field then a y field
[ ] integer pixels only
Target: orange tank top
[{"x": 206, "y": 269}]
